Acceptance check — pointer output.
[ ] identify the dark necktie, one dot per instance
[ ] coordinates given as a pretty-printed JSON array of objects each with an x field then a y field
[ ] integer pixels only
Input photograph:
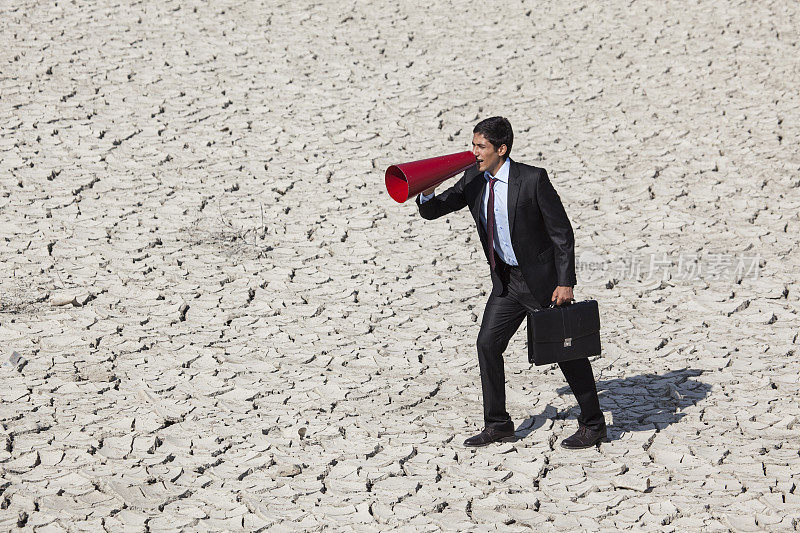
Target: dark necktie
[{"x": 490, "y": 221}]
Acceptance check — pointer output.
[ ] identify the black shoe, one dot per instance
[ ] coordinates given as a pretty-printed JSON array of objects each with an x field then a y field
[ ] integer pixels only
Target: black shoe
[
  {"x": 488, "y": 436},
  {"x": 585, "y": 438}
]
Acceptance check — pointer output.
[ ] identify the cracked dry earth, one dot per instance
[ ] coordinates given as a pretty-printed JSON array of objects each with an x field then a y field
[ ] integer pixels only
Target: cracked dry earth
[{"x": 223, "y": 322}]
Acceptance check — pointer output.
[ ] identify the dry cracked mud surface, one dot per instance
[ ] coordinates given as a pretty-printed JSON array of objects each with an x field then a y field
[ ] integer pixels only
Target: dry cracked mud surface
[{"x": 222, "y": 321}]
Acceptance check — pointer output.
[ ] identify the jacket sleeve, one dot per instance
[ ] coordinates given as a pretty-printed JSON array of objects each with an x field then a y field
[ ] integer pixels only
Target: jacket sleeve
[
  {"x": 445, "y": 203},
  {"x": 558, "y": 228}
]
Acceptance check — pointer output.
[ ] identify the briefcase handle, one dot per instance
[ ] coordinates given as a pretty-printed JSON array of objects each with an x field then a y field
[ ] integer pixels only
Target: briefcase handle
[{"x": 553, "y": 303}]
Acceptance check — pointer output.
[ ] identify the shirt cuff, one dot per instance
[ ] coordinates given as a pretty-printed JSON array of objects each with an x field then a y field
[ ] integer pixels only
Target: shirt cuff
[{"x": 423, "y": 198}]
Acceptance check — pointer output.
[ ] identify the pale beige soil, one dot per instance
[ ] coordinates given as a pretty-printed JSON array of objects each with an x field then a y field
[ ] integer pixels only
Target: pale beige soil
[{"x": 227, "y": 324}]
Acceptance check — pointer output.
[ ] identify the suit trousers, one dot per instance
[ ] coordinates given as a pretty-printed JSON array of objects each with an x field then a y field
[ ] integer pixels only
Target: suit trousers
[{"x": 501, "y": 319}]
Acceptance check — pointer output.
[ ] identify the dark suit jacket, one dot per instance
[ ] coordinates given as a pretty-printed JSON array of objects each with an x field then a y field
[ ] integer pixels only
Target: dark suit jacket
[{"x": 541, "y": 234}]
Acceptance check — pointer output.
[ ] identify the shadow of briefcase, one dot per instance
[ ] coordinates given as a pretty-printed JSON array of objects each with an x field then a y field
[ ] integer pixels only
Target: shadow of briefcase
[{"x": 564, "y": 333}]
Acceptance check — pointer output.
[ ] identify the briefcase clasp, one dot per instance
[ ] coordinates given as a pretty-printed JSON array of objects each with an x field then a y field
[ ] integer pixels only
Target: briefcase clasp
[{"x": 567, "y": 342}]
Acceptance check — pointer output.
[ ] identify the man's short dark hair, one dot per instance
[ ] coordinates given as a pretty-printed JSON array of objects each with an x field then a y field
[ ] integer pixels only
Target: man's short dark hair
[{"x": 496, "y": 130}]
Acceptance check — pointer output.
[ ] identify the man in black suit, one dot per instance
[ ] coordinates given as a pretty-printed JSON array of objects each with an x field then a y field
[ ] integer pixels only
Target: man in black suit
[{"x": 529, "y": 244}]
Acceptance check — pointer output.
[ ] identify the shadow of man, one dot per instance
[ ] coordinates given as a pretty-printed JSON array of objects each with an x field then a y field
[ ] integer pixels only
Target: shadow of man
[{"x": 636, "y": 403}]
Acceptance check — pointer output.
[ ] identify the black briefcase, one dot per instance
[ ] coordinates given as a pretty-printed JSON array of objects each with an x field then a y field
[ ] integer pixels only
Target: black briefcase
[{"x": 564, "y": 333}]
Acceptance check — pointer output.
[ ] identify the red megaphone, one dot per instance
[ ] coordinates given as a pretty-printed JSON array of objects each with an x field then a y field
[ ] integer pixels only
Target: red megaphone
[{"x": 409, "y": 179}]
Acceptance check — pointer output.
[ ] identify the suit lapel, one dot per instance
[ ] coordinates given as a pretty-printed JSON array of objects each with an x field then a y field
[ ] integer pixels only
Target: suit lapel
[{"x": 513, "y": 194}]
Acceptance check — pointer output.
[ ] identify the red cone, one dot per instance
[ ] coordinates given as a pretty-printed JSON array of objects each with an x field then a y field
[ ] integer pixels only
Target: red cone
[{"x": 409, "y": 179}]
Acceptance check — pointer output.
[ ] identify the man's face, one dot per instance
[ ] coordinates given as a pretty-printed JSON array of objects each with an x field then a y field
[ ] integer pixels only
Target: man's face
[{"x": 489, "y": 158}]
